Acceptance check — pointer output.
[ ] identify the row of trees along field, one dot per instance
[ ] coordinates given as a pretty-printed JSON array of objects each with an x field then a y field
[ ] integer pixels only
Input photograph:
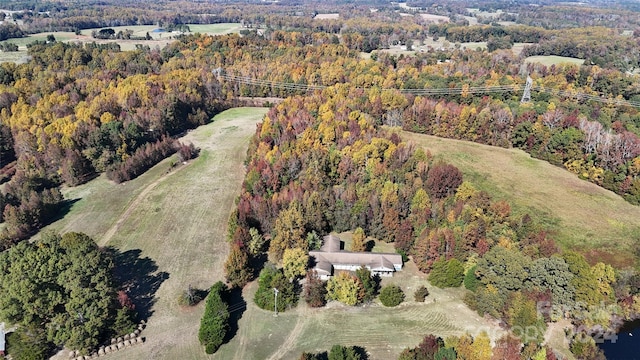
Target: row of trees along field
[
  {"x": 74, "y": 111},
  {"x": 320, "y": 163}
]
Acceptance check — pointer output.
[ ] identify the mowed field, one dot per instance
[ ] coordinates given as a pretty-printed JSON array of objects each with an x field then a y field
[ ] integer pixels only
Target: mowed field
[
  {"x": 580, "y": 215},
  {"x": 176, "y": 220},
  {"x": 160, "y": 39},
  {"x": 553, "y": 60}
]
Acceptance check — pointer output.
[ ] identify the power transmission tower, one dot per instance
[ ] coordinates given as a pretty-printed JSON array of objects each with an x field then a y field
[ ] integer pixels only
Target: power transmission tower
[
  {"x": 217, "y": 72},
  {"x": 526, "y": 96}
]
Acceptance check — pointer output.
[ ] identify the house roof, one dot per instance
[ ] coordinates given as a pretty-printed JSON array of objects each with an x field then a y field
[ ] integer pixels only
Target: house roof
[
  {"x": 382, "y": 264},
  {"x": 372, "y": 260},
  {"x": 330, "y": 255},
  {"x": 324, "y": 268},
  {"x": 331, "y": 243}
]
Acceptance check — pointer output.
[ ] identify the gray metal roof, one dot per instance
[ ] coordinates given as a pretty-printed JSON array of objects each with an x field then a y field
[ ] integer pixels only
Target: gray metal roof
[{"x": 373, "y": 260}]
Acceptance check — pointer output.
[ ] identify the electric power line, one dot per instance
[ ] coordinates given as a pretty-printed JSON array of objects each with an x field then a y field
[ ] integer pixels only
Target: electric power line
[{"x": 432, "y": 91}]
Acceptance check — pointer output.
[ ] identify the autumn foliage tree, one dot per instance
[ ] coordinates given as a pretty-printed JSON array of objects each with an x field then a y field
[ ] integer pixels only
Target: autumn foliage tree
[
  {"x": 288, "y": 232},
  {"x": 358, "y": 244},
  {"x": 295, "y": 262},
  {"x": 315, "y": 290},
  {"x": 344, "y": 287},
  {"x": 443, "y": 180},
  {"x": 237, "y": 269}
]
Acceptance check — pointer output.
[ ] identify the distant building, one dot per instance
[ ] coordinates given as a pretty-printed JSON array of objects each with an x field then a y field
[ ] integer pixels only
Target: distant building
[{"x": 331, "y": 257}]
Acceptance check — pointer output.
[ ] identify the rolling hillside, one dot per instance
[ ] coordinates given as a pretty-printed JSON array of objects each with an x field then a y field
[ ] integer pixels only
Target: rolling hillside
[{"x": 580, "y": 215}]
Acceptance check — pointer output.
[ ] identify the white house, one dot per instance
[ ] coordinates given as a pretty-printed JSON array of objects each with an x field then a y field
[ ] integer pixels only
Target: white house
[{"x": 331, "y": 257}]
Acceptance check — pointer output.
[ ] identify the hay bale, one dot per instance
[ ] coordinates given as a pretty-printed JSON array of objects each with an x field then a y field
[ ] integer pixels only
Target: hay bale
[
  {"x": 137, "y": 332},
  {"x": 120, "y": 339},
  {"x": 140, "y": 339},
  {"x": 72, "y": 354},
  {"x": 121, "y": 345},
  {"x": 126, "y": 337},
  {"x": 132, "y": 336},
  {"x": 113, "y": 341},
  {"x": 100, "y": 352}
]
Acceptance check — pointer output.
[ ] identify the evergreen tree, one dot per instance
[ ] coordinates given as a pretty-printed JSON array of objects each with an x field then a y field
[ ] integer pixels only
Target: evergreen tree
[{"x": 215, "y": 321}]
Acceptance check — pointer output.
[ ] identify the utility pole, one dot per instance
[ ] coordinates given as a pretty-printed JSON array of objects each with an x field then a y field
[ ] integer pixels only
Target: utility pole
[{"x": 275, "y": 305}]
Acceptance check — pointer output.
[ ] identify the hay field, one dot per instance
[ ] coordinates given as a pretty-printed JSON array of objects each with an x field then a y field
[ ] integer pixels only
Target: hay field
[
  {"x": 580, "y": 215},
  {"x": 553, "y": 60},
  {"x": 178, "y": 220}
]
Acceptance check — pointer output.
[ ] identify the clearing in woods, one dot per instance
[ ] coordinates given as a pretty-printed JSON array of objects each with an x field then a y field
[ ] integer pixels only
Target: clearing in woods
[
  {"x": 554, "y": 60},
  {"x": 579, "y": 215}
]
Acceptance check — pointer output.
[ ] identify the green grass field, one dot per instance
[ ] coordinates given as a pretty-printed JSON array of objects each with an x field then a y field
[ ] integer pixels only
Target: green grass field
[
  {"x": 215, "y": 29},
  {"x": 159, "y": 39},
  {"x": 579, "y": 215},
  {"x": 383, "y": 332},
  {"x": 553, "y": 60}
]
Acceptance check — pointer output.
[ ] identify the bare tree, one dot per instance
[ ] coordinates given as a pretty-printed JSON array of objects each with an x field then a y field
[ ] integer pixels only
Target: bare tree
[{"x": 593, "y": 132}]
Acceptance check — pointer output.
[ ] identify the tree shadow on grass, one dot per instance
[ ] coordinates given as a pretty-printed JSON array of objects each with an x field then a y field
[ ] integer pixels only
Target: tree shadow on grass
[
  {"x": 237, "y": 307},
  {"x": 139, "y": 277}
]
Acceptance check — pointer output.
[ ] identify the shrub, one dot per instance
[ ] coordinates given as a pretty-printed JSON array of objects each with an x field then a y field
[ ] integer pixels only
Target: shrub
[
  {"x": 421, "y": 293},
  {"x": 187, "y": 152},
  {"x": 190, "y": 297},
  {"x": 391, "y": 295}
]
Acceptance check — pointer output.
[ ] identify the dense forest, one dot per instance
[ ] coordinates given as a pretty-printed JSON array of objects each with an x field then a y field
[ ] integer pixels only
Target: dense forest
[{"x": 329, "y": 157}]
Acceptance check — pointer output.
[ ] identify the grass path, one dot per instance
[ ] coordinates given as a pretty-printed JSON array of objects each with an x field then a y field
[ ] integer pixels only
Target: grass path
[
  {"x": 132, "y": 206},
  {"x": 293, "y": 335}
]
